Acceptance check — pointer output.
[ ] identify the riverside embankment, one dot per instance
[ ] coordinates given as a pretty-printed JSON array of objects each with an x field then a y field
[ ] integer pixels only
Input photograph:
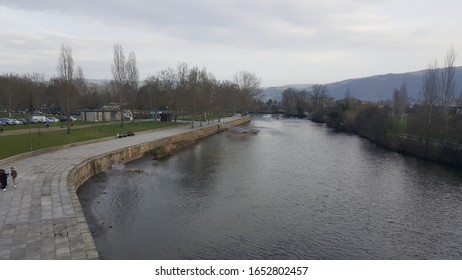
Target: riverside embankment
[{"x": 42, "y": 218}]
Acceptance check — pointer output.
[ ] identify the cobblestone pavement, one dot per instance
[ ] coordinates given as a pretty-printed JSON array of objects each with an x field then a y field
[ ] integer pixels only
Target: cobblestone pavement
[{"x": 42, "y": 218}]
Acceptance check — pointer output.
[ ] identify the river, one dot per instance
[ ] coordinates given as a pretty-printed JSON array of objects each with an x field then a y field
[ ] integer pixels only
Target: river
[{"x": 297, "y": 190}]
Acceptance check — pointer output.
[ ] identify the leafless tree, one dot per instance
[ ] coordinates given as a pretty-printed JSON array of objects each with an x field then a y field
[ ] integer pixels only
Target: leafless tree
[
  {"x": 119, "y": 73},
  {"x": 224, "y": 100},
  {"x": 9, "y": 88},
  {"x": 193, "y": 84},
  {"x": 249, "y": 89},
  {"x": 448, "y": 82},
  {"x": 167, "y": 83},
  {"x": 400, "y": 100},
  {"x": 94, "y": 96},
  {"x": 207, "y": 94},
  {"x": 132, "y": 79},
  {"x": 319, "y": 95},
  {"x": 80, "y": 82},
  {"x": 202, "y": 83},
  {"x": 183, "y": 95},
  {"x": 35, "y": 90},
  {"x": 151, "y": 95},
  {"x": 430, "y": 94},
  {"x": 66, "y": 75},
  {"x": 294, "y": 101}
]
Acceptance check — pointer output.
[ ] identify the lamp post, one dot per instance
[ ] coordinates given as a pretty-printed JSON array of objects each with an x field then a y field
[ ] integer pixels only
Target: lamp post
[{"x": 30, "y": 132}]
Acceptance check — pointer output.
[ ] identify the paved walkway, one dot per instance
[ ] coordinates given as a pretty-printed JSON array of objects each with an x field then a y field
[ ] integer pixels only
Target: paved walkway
[{"x": 41, "y": 218}]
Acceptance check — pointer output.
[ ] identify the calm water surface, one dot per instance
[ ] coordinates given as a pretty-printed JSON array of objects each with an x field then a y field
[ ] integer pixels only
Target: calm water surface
[{"x": 297, "y": 190}]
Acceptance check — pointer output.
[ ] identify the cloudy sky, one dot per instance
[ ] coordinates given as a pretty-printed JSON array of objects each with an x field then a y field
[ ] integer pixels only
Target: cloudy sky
[{"x": 281, "y": 41}]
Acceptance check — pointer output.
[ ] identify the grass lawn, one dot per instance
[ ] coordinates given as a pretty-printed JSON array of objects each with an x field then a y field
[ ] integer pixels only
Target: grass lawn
[
  {"x": 41, "y": 138},
  {"x": 42, "y": 125}
]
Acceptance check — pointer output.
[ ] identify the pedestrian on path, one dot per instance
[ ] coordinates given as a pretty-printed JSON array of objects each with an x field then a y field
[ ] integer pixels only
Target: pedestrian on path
[
  {"x": 14, "y": 174},
  {"x": 3, "y": 179}
]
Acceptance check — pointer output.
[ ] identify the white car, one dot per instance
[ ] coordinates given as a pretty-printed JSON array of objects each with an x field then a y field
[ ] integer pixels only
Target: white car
[
  {"x": 52, "y": 120},
  {"x": 40, "y": 119},
  {"x": 8, "y": 121}
]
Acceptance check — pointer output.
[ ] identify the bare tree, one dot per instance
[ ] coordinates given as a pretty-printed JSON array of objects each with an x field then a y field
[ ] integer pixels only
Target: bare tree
[
  {"x": 132, "y": 79},
  {"x": 448, "y": 82},
  {"x": 193, "y": 88},
  {"x": 400, "y": 100},
  {"x": 200, "y": 89},
  {"x": 295, "y": 102},
  {"x": 66, "y": 75},
  {"x": 207, "y": 94},
  {"x": 224, "y": 100},
  {"x": 35, "y": 90},
  {"x": 430, "y": 94},
  {"x": 152, "y": 96},
  {"x": 248, "y": 85},
  {"x": 80, "y": 82},
  {"x": 9, "y": 87},
  {"x": 183, "y": 101},
  {"x": 119, "y": 73},
  {"x": 167, "y": 84},
  {"x": 319, "y": 94}
]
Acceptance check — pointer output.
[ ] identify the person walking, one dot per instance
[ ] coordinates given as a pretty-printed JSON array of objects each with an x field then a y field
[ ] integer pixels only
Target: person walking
[
  {"x": 3, "y": 179},
  {"x": 14, "y": 174}
]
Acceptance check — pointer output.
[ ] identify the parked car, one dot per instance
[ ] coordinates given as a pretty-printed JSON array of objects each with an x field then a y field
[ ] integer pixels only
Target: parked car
[
  {"x": 64, "y": 119},
  {"x": 33, "y": 121},
  {"x": 17, "y": 121},
  {"x": 40, "y": 119},
  {"x": 2, "y": 122},
  {"x": 8, "y": 121},
  {"x": 52, "y": 120}
]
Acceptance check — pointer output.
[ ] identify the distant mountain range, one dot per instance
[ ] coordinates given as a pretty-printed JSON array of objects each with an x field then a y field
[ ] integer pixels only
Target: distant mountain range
[{"x": 374, "y": 88}]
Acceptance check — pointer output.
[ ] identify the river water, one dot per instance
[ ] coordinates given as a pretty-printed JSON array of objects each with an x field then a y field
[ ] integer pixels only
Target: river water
[{"x": 297, "y": 190}]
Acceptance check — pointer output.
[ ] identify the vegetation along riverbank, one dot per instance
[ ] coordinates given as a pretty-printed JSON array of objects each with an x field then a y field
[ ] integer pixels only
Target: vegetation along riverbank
[{"x": 428, "y": 128}]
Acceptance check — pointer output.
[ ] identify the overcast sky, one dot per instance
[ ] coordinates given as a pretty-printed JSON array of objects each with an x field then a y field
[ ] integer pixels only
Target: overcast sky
[{"x": 281, "y": 41}]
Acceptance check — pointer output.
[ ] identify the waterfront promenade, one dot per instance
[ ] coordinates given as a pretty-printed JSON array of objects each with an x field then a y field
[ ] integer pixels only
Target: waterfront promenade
[{"x": 42, "y": 218}]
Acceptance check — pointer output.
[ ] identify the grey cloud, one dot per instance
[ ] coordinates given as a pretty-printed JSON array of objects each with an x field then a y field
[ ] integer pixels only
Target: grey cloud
[
  {"x": 246, "y": 24},
  {"x": 269, "y": 33}
]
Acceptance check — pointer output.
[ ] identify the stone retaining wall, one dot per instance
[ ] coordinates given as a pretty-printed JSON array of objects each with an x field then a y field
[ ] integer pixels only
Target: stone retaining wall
[{"x": 101, "y": 163}]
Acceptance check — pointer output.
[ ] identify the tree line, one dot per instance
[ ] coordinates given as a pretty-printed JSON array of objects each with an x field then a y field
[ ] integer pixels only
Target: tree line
[{"x": 182, "y": 90}]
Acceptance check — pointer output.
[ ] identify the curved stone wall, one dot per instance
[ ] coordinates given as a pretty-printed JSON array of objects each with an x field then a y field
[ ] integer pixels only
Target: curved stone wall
[{"x": 103, "y": 162}]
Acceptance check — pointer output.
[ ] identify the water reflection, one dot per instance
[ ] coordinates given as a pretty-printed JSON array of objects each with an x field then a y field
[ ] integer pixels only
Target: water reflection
[{"x": 296, "y": 190}]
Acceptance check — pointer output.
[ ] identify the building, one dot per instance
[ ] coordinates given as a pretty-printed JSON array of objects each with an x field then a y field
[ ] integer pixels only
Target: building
[{"x": 100, "y": 115}]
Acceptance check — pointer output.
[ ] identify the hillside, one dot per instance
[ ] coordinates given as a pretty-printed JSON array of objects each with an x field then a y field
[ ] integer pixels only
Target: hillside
[{"x": 372, "y": 88}]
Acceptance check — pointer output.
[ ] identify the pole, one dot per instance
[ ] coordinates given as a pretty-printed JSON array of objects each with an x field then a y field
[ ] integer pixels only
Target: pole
[{"x": 30, "y": 132}]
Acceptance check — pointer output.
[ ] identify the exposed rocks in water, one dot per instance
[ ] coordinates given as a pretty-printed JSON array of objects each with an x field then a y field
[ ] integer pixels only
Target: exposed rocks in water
[
  {"x": 167, "y": 150},
  {"x": 132, "y": 172}
]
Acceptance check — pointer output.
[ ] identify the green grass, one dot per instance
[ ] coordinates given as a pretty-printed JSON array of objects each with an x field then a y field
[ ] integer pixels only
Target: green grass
[
  {"x": 41, "y": 138},
  {"x": 76, "y": 124}
]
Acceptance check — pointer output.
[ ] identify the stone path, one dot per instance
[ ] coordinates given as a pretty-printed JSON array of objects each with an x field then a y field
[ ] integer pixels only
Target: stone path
[{"x": 42, "y": 218}]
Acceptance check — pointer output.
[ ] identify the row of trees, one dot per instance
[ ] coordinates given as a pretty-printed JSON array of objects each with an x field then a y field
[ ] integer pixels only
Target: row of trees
[
  {"x": 199, "y": 93},
  {"x": 184, "y": 89},
  {"x": 297, "y": 102}
]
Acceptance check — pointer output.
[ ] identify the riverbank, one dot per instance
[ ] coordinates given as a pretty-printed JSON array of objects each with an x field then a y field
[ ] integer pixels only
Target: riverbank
[
  {"x": 42, "y": 218},
  {"x": 380, "y": 128},
  {"x": 420, "y": 148}
]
